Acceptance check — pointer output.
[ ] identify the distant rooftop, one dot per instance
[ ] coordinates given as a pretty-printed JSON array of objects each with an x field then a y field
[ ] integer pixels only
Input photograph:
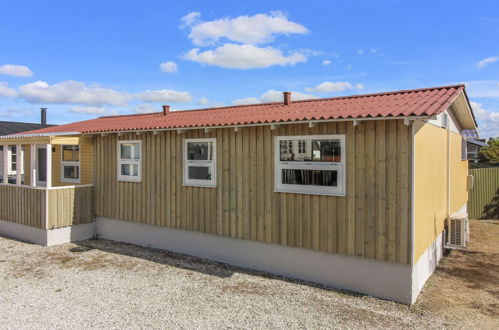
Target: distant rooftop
[{"x": 13, "y": 127}]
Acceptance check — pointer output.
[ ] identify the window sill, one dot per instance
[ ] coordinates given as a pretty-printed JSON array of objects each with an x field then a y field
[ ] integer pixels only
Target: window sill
[
  {"x": 70, "y": 181},
  {"x": 129, "y": 180},
  {"x": 309, "y": 193},
  {"x": 199, "y": 185}
]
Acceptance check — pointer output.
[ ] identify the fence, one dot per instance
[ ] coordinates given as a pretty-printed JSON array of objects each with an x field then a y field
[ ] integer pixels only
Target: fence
[{"x": 483, "y": 201}]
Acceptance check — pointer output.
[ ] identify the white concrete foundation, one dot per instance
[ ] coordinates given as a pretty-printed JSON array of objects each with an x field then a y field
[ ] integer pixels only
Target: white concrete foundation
[
  {"x": 381, "y": 279},
  {"x": 426, "y": 265},
  {"x": 47, "y": 237}
]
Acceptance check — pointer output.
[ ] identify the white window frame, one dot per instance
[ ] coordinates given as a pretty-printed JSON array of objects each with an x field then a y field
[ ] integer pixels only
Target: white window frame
[
  {"x": 129, "y": 178},
  {"x": 70, "y": 163},
  {"x": 10, "y": 154},
  {"x": 340, "y": 190},
  {"x": 212, "y": 164}
]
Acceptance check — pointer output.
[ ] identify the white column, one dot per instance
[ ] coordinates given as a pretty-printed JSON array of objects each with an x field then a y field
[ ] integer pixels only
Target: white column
[
  {"x": 33, "y": 165},
  {"x": 5, "y": 164},
  {"x": 49, "y": 165},
  {"x": 19, "y": 164}
]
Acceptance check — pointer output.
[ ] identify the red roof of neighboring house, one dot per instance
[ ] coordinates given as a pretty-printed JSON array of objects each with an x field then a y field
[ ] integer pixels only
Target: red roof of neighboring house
[{"x": 417, "y": 102}]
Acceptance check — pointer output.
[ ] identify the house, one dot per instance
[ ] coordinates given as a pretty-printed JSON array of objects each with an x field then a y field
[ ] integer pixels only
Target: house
[
  {"x": 11, "y": 127},
  {"x": 352, "y": 192},
  {"x": 473, "y": 147}
]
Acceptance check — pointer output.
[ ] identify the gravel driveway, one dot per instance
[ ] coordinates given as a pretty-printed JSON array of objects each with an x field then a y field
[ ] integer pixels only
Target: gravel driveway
[{"x": 116, "y": 285}]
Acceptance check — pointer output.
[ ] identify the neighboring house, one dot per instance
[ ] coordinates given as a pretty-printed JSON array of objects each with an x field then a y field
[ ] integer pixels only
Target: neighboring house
[
  {"x": 352, "y": 192},
  {"x": 473, "y": 147},
  {"x": 12, "y": 127}
]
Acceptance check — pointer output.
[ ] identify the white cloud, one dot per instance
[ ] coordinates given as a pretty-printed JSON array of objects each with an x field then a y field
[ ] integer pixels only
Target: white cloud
[
  {"x": 276, "y": 96},
  {"x": 169, "y": 67},
  {"x": 145, "y": 108},
  {"x": 247, "y": 100},
  {"x": 189, "y": 19},
  {"x": 256, "y": 29},
  {"x": 6, "y": 91},
  {"x": 164, "y": 95},
  {"x": 486, "y": 61},
  {"x": 360, "y": 51},
  {"x": 15, "y": 70},
  {"x": 488, "y": 121},
  {"x": 244, "y": 57},
  {"x": 203, "y": 101},
  {"x": 98, "y": 111},
  {"x": 329, "y": 87},
  {"x": 71, "y": 92},
  {"x": 326, "y": 62}
]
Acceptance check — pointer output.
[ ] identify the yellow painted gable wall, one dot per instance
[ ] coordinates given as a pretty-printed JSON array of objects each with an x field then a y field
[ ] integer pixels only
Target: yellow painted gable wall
[
  {"x": 86, "y": 165},
  {"x": 431, "y": 180}
]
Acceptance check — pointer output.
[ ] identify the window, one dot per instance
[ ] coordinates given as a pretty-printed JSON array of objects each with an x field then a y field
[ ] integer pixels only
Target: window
[
  {"x": 445, "y": 120},
  {"x": 130, "y": 161},
  {"x": 317, "y": 168},
  {"x": 13, "y": 158},
  {"x": 70, "y": 163},
  {"x": 464, "y": 149},
  {"x": 200, "y": 162}
]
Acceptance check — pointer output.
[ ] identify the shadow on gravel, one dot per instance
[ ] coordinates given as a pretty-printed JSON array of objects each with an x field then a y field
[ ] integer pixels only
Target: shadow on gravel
[{"x": 188, "y": 262}]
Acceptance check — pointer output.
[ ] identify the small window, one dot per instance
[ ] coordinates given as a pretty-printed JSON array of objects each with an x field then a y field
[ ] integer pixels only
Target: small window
[
  {"x": 464, "y": 149},
  {"x": 311, "y": 164},
  {"x": 445, "y": 120},
  {"x": 200, "y": 162},
  {"x": 130, "y": 161},
  {"x": 13, "y": 159},
  {"x": 70, "y": 163}
]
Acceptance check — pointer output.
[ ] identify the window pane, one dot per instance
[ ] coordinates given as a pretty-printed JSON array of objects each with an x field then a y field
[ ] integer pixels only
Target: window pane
[
  {"x": 199, "y": 173},
  {"x": 326, "y": 150},
  {"x": 310, "y": 150},
  {"x": 200, "y": 150},
  {"x": 130, "y": 169},
  {"x": 72, "y": 172},
  {"x": 71, "y": 153},
  {"x": 136, "y": 151},
  {"x": 310, "y": 177}
]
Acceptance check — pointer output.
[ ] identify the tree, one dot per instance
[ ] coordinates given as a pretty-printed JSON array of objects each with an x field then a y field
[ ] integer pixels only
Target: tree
[{"x": 490, "y": 153}]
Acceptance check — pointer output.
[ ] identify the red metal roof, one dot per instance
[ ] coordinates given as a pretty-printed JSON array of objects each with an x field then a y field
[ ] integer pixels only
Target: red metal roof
[{"x": 416, "y": 102}]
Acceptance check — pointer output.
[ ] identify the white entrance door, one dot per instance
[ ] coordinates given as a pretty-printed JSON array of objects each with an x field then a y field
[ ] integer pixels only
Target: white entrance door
[{"x": 41, "y": 166}]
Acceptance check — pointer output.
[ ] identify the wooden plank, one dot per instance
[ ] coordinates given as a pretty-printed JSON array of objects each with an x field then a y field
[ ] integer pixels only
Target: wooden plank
[
  {"x": 350, "y": 188},
  {"x": 380, "y": 190},
  {"x": 404, "y": 215},
  {"x": 391, "y": 210},
  {"x": 371, "y": 206}
]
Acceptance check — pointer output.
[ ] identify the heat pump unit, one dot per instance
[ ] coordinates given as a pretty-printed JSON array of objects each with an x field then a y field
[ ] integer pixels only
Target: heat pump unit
[{"x": 457, "y": 231}]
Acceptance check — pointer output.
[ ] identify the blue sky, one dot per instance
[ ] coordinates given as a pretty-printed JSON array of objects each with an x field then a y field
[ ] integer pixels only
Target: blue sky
[{"x": 84, "y": 59}]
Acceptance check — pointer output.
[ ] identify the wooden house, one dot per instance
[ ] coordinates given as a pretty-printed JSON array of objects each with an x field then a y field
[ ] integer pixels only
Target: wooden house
[{"x": 351, "y": 192}]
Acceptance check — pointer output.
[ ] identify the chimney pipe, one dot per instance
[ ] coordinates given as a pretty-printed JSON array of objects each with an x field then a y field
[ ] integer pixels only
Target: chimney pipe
[
  {"x": 166, "y": 110},
  {"x": 287, "y": 97},
  {"x": 43, "y": 116}
]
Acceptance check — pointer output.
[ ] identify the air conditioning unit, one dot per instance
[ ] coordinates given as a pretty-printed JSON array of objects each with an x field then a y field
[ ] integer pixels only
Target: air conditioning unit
[{"x": 457, "y": 231}]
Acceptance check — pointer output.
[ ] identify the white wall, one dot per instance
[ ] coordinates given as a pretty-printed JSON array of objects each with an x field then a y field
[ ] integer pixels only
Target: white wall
[{"x": 381, "y": 279}]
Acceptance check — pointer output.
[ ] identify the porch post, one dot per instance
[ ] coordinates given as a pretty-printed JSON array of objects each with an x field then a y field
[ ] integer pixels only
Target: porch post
[
  {"x": 5, "y": 164},
  {"x": 49, "y": 165},
  {"x": 32, "y": 148},
  {"x": 19, "y": 164}
]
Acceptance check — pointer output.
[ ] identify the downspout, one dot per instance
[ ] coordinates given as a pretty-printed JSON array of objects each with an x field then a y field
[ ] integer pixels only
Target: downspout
[{"x": 448, "y": 174}]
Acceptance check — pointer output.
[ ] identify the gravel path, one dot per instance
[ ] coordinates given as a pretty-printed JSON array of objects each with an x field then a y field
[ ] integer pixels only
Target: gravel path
[{"x": 116, "y": 285}]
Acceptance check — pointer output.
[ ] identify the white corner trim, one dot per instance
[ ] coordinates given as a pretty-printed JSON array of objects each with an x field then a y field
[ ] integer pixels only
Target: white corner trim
[
  {"x": 426, "y": 265},
  {"x": 381, "y": 279}
]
